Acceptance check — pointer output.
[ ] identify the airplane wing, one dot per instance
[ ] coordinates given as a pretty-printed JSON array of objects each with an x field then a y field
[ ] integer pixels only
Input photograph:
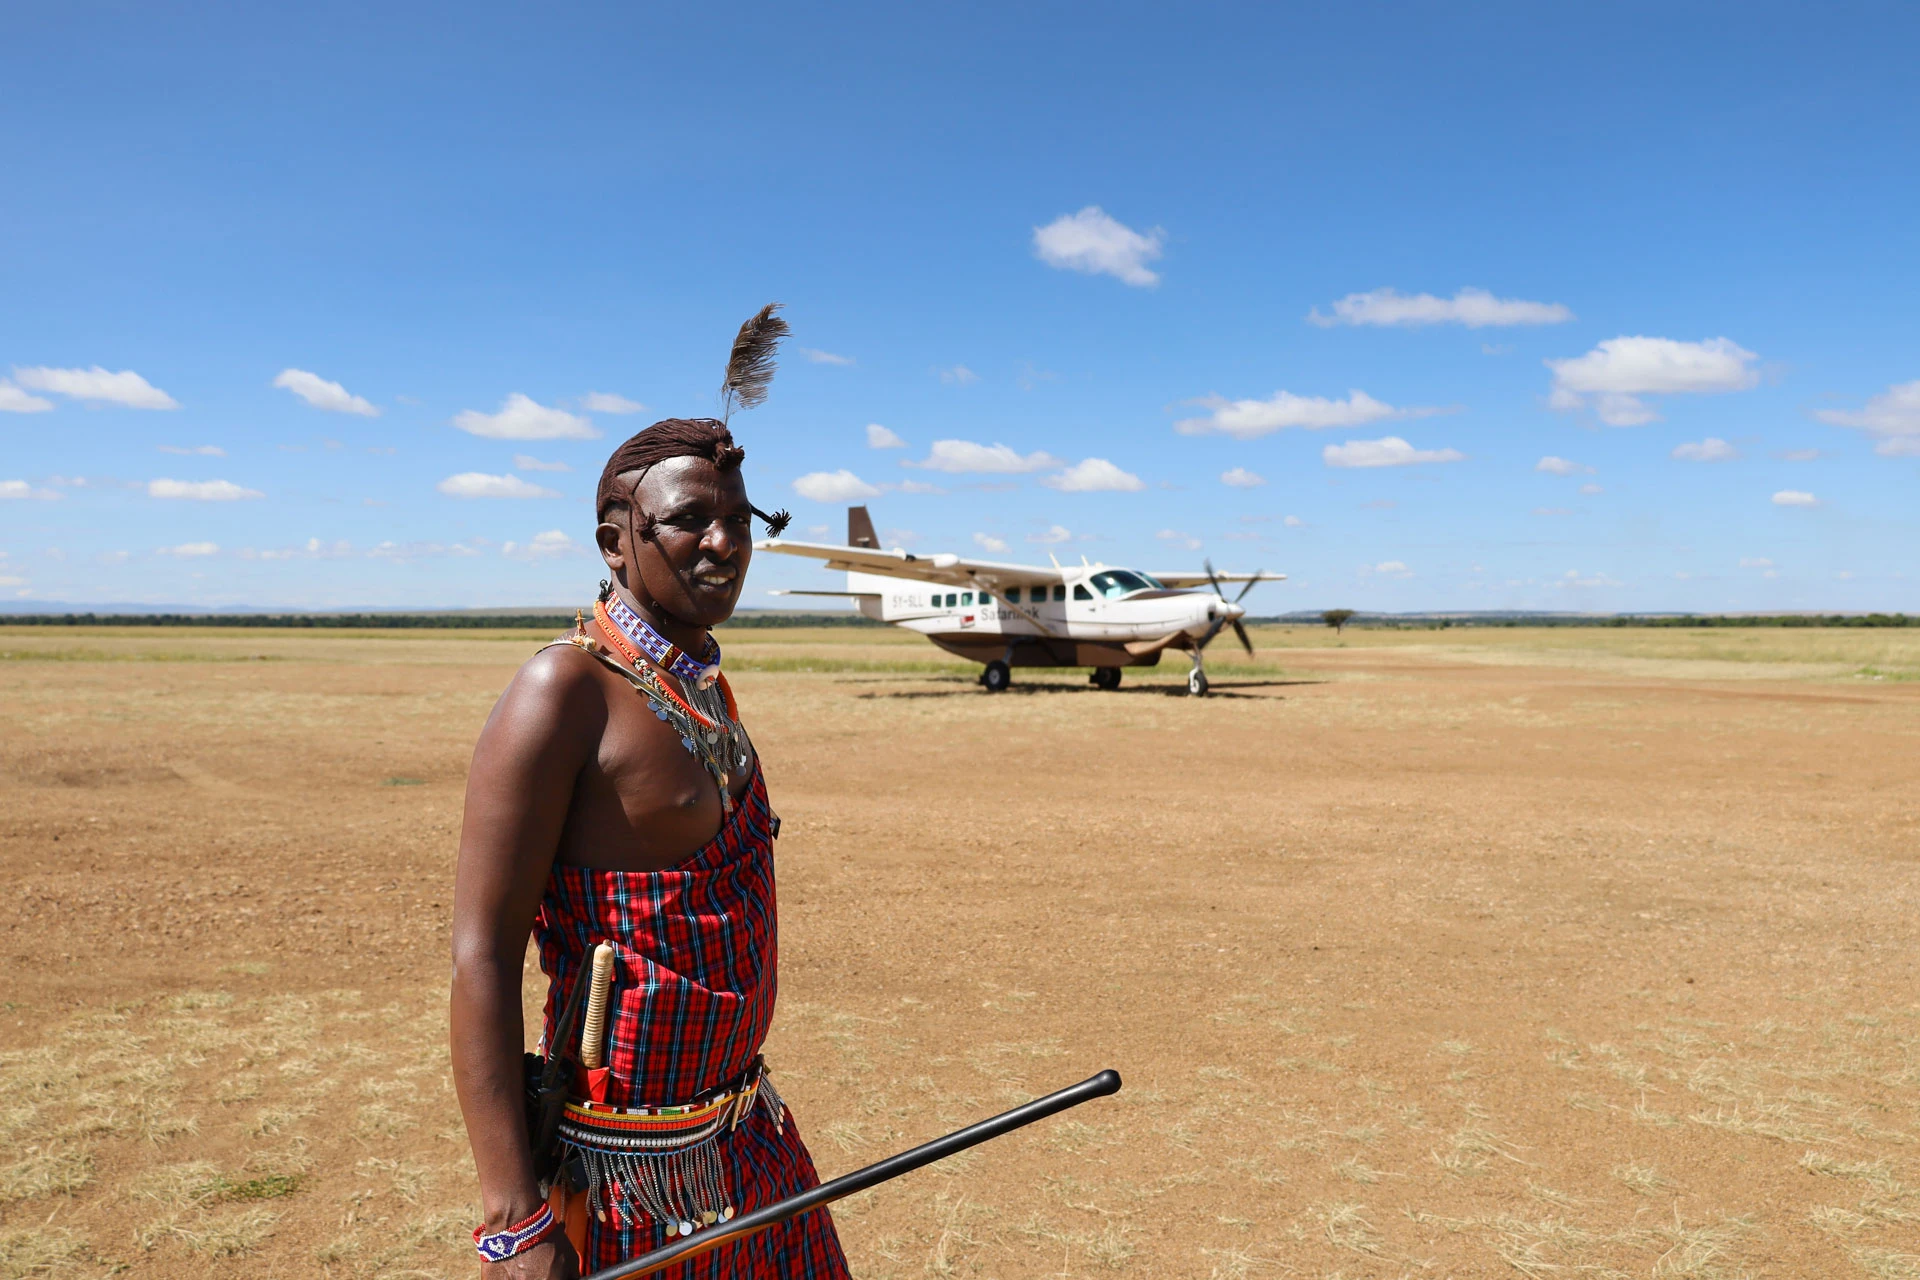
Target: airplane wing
[
  {"x": 1200, "y": 579},
  {"x": 946, "y": 568}
]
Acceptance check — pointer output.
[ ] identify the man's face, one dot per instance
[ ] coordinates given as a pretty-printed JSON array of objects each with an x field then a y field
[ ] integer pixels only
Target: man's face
[{"x": 694, "y": 565}]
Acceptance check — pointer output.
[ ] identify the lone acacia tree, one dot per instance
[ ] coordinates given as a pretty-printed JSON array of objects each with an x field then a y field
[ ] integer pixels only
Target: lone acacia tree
[{"x": 1337, "y": 619}]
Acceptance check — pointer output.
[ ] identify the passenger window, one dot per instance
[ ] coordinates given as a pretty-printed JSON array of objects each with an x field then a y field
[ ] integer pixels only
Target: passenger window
[
  {"x": 966, "y": 597},
  {"x": 1060, "y": 593},
  {"x": 1013, "y": 595},
  {"x": 1080, "y": 592},
  {"x": 985, "y": 598},
  {"x": 952, "y": 599}
]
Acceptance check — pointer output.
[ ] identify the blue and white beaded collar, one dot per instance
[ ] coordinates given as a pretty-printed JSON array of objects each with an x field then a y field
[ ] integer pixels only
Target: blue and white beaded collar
[{"x": 662, "y": 650}]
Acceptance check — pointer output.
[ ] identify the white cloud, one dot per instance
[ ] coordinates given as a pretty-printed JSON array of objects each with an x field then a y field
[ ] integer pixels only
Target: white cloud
[
  {"x": 1474, "y": 308},
  {"x": 599, "y": 402},
  {"x": 1576, "y": 580},
  {"x": 526, "y": 462},
  {"x": 1389, "y": 452},
  {"x": 1755, "y": 562},
  {"x": 816, "y": 356},
  {"x": 1562, "y": 466},
  {"x": 1241, "y": 478},
  {"x": 1092, "y": 242},
  {"x": 1795, "y": 498},
  {"x": 14, "y": 400},
  {"x": 98, "y": 386},
  {"x": 958, "y": 376},
  {"x": 1245, "y": 419},
  {"x": 521, "y": 418},
  {"x": 202, "y": 450},
  {"x": 1185, "y": 541},
  {"x": 879, "y": 437},
  {"x": 191, "y": 549},
  {"x": 987, "y": 542},
  {"x": 958, "y": 457},
  {"x": 314, "y": 549},
  {"x": 913, "y": 486},
  {"x": 478, "y": 484},
  {"x": 19, "y": 489},
  {"x": 1551, "y": 511},
  {"x": 1611, "y": 377},
  {"x": 1392, "y": 569},
  {"x": 1798, "y": 455},
  {"x": 403, "y": 551},
  {"x": 1591, "y": 489},
  {"x": 1052, "y": 537},
  {"x": 834, "y": 486},
  {"x": 200, "y": 490},
  {"x": 1095, "y": 475},
  {"x": 544, "y": 546},
  {"x": 1294, "y": 522},
  {"x": 1893, "y": 417},
  {"x": 1712, "y": 449},
  {"x": 321, "y": 394}
]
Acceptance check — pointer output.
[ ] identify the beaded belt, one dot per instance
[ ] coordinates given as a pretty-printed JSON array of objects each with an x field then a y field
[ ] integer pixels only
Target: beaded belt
[{"x": 663, "y": 1163}]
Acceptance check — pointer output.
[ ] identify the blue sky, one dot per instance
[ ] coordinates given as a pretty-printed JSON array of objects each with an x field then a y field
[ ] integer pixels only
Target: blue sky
[{"x": 1503, "y": 308}]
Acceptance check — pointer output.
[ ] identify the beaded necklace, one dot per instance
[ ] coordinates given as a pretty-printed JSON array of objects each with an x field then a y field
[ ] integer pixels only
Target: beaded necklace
[
  {"x": 705, "y": 715},
  {"x": 639, "y": 632}
]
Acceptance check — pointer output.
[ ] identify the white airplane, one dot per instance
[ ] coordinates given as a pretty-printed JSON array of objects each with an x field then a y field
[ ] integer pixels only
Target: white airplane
[{"x": 1016, "y": 615}]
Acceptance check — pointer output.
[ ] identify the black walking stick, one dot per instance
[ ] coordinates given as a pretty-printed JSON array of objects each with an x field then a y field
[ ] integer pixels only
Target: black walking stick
[{"x": 1107, "y": 1082}]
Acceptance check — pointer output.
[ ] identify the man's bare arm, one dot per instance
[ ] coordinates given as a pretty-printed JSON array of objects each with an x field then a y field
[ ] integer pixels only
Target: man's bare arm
[{"x": 542, "y": 732}]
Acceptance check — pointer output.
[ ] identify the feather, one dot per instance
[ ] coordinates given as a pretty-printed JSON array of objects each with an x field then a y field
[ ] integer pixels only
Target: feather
[
  {"x": 750, "y": 367},
  {"x": 776, "y": 523}
]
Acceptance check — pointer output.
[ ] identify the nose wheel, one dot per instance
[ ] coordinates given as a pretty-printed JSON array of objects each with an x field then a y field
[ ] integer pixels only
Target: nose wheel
[{"x": 1197, "y": 682}]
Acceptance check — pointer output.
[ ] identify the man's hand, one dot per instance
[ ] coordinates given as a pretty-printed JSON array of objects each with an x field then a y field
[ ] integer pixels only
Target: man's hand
[{"x": 551, "y": 1259}]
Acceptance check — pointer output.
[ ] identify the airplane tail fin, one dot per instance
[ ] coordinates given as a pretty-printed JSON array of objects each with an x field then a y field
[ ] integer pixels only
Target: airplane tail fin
[{"x": 860, "y": 529}]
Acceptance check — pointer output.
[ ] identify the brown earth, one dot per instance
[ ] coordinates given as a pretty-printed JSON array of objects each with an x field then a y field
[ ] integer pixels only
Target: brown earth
[{"x": 1526, "y": 953}]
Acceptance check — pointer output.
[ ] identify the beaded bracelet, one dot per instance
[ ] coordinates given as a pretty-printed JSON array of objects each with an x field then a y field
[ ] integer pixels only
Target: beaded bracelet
[{"x": 518, "y": 1238}]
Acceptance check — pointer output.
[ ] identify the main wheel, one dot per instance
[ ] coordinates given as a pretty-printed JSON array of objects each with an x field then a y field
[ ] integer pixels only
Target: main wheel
[
  {"x": 997, "y": 676},
  {"x": 1105, "y": 678},
  {"x": 1197, "y": 683}
]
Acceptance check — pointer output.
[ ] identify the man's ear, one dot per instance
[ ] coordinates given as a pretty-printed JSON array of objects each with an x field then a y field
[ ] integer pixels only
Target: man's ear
[{"x": 607, "y": 538}]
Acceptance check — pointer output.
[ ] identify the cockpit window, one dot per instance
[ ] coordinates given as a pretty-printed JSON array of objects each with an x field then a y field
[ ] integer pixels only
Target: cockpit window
[{"x": 1114, "y": 583}]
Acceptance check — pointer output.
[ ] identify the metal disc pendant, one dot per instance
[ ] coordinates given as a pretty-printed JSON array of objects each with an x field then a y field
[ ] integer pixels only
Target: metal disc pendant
[{"x": 686, "y": 1228}]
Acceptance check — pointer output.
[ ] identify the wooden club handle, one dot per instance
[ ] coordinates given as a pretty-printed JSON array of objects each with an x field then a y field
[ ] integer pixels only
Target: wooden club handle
[{"x": 593, "y": 1035}]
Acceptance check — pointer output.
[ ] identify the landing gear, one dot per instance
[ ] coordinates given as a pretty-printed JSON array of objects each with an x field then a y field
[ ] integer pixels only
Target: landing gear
[
  {"x": 1197, "y": 682},
  {"x": 997, "y": 676},
  {"x": 1105, "y": 678}
]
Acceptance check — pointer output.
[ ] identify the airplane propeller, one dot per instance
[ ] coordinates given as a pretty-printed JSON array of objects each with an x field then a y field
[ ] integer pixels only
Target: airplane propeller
[{"x": 1239, "y": 631}]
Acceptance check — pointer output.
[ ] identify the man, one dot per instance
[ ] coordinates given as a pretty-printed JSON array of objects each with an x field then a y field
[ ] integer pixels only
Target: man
[{"x": 614, "y": 797}]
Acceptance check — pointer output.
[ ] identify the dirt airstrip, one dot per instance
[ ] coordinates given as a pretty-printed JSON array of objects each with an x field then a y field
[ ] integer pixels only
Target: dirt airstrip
[{"x": 1572, "y": 953}]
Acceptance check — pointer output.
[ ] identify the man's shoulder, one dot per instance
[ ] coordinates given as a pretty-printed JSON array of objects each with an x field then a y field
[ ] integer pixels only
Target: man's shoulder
[{"x": 562, "y": 678}]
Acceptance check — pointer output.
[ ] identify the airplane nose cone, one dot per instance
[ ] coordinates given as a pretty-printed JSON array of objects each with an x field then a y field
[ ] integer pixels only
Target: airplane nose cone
[{"x": 1234, "y": 610}]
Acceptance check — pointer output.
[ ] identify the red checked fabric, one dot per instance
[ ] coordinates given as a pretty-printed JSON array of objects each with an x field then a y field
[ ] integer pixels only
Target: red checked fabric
[{"x": 694, "y": 980}]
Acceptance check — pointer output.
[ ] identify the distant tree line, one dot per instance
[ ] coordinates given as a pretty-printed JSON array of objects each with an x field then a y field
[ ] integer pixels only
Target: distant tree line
[
  {"x": 392, "y": 621},
  {"x": 1342, "y": 618}
]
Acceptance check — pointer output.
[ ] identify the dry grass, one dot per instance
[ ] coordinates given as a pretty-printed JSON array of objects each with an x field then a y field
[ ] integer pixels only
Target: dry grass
[{"x": 1554, "y": 954}]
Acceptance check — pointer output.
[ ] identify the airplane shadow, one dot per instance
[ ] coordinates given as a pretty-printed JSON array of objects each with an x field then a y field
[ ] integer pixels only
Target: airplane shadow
[{"x": 970, "y": 688}]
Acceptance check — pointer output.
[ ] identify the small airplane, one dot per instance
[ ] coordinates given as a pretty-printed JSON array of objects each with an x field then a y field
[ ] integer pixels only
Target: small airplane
[{"x": 1016, "y": 615}]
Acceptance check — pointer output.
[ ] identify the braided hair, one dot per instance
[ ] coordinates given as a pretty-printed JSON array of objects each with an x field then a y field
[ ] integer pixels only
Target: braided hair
[{"x": 706, "y": 438}]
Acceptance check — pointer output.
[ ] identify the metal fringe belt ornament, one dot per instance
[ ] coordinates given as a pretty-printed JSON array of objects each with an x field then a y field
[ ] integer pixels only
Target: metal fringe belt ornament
[
  {"x": 663, "y": 1163},
  {"x": 678, "y": 1251}
]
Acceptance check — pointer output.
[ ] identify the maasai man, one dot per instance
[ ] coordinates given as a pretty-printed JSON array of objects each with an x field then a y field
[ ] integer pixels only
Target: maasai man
[{"x": 615, "y": 798}]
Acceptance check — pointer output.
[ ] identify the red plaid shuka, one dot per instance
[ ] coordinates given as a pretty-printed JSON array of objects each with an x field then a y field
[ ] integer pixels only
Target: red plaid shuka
[{"x": 694, "y": 979}]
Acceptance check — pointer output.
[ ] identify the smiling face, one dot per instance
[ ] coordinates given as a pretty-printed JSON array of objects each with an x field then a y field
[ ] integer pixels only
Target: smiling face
[{"x": 690, "y": 566}]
